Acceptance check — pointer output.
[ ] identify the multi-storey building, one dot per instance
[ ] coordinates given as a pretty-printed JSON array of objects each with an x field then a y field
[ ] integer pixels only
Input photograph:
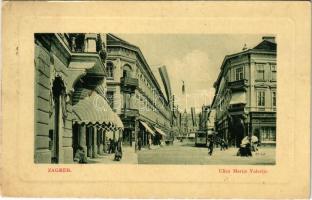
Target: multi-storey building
[
  {"x": 70, "y": 105},
  {"x": 245, "y": 94},
  {"x": 135, "y": 94}
]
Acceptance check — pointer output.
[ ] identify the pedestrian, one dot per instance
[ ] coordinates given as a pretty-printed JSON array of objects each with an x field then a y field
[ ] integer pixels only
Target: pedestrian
[
  {"x": 222, "y": 145},
  {"x": 254, "y": 143},
  {"x": 80, "y": 156},
  {"x": 149, "y": 142},
  {"x": 118, "y": 150},
  {"x": 245, "y": 147},
  {"x": 226, "y": 144},
  {"x": 139, "y": 143},
  {"x": 114, "y": 142},
  {"x": 210, "y": 146},
  {"x": 110, "y": 146}
]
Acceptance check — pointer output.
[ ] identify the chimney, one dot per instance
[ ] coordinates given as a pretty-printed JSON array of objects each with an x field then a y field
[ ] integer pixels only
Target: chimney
[{"x": 269, "y": 38}]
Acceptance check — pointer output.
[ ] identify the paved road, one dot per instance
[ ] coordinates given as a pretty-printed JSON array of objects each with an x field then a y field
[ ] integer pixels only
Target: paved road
[{"x": 187, "y": 153}]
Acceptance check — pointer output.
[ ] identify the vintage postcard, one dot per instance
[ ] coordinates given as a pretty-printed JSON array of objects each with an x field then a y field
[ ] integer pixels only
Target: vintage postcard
[{"x": 156, "y": 99}]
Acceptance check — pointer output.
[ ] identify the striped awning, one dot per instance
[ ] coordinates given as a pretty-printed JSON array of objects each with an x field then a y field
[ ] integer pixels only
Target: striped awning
[
  {"x": 160, "y": 131},
  {"x": 148, "y": 129},
  {"x": 94, "y": 109}
]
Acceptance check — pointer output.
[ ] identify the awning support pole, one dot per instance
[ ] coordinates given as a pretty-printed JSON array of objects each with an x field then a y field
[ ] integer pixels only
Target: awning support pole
[
  {"x": 100, "y": 141},
  {"x": 94, "y": 142},
  {"x": 82, "y": 137},
  {"x": 104, "y": 141}
]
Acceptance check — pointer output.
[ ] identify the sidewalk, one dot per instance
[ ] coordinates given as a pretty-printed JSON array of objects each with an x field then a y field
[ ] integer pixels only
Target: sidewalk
[{"x": 128, "y": 157}]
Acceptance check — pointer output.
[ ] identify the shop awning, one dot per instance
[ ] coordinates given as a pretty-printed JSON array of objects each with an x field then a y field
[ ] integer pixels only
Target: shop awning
[
  {"x": 147, "y": 128},
  {"x": 160, "y": 131},
  {"x": 238, "y": 98},
  {"x": 94, "y": 109}
]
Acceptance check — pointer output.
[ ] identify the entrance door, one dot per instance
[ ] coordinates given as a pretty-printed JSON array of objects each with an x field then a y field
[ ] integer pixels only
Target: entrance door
[
  {"x": 127, "y": 137},
  {"x": 76, "y": 138},
  {"x": 239, "y": 131}
]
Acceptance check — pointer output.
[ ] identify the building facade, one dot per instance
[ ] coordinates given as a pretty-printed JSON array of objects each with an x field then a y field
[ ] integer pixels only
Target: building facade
[
  {"x": 245, "y": 94},
  {"x": 135, "y": 94},
  {"x": 69, "y": 78}
]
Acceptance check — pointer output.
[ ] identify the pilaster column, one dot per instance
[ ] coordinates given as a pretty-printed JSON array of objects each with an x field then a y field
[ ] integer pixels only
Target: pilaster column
[
  {"x": 100, "y": 141},
  {"x": 94, "y": 142},
  {"x": 82, "y": 137},
  {"x": 136, "y": 131},
  {"x": 104, "y": 141},
  {"x": 89, "y": 141}
]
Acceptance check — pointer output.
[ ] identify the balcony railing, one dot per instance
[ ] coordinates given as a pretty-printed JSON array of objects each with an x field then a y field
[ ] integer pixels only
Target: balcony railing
[
  {"x": 129, "y": 84},
  {"x": 85, "y": 43},
  {"x": 128, "y": 112},
  {"x": 236, "y": 107},
  {"x": 239, "y": 85}
]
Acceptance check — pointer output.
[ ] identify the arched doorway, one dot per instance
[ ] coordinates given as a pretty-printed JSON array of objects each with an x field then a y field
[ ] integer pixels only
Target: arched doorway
[
  {"x": 58, "y": 90},
  {"x": 239, "y": 130},
  {"x": 236, "y": 130}
]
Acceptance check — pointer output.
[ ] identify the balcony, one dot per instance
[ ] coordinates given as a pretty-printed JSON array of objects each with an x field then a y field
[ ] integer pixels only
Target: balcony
[
  {"x": 88, "y": 55},
  {"x": 129, "y": 84},
  {"x": 236, "y": 108},
  {"x": 239, "y": 85},
  {"x": 129, "y": 113}
]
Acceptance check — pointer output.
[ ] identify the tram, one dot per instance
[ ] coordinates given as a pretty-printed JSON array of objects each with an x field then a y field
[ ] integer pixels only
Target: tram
[{"x": 200, "y": 138}]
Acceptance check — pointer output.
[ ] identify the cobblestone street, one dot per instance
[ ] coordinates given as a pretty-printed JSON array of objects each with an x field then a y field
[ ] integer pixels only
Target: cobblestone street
[
  {"x": 129, "y": 157},
  {"x": 187, "y": 153}
]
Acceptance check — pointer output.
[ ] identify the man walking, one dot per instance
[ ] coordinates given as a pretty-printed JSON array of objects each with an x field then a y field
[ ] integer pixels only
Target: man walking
[{"x": 210, "y": 146}]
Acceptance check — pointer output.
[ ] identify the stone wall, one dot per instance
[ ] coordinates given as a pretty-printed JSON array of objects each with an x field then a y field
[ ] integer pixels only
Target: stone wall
[
  {"x": 51, "y": 60},
  {"x": 42, "y": 106}
]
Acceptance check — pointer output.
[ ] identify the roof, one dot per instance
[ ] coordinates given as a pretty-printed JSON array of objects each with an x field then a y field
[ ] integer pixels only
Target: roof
[
  {"x": 161, "y": 84},
  {"x": 165, "y": 80},
  {"x": 266, "y": 46}
]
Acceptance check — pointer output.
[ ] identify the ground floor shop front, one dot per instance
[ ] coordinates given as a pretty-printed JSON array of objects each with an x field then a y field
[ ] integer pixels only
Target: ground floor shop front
[
  {"x": 234, "y": 127},
  {"x": 140, "y": 133}
]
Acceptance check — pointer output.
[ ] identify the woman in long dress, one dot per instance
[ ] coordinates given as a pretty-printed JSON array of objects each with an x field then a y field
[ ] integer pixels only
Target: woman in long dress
[
  {"x": 245, "y": 147},
  {"x": 118, "y": 150}
]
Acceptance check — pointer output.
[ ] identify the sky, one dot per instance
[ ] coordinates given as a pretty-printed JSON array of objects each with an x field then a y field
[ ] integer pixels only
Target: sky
[{"x": 194, "y": 58}]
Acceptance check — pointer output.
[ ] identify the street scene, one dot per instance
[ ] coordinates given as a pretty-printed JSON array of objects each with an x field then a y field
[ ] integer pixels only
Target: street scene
[{"x": 176, "y": 99}]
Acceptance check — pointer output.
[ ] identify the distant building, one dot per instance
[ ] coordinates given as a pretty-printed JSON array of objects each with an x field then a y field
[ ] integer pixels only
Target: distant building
[
  {"x": 245, "y": 94},
  {"x": 136, "y": 95},
  {"x": 189, "y": 125}
]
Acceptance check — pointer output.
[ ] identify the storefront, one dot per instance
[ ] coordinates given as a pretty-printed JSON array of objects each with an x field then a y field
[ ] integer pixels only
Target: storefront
[
  {"x": 147, "y": 134},
  {"x": 94, "y": 120}
]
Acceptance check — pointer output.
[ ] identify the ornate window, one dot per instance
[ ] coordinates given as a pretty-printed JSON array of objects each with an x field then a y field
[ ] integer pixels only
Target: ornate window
[
  {"x": 239, "y": 74},
  {"x": 260, "y": 72},
  {"x": 110, "y": 98},
  {"x": 110, "y": 70},
  {"x": 267, "y": 134},
  {"x": 127, "y": 71},
  {"x": 273, "y": 72},
  {"x": 261, "y": 98},
  {"x": 274, "y": 98}
]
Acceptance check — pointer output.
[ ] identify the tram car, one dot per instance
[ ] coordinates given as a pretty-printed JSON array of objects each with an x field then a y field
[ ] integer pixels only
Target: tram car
[{"x": 200, "y": 138}]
